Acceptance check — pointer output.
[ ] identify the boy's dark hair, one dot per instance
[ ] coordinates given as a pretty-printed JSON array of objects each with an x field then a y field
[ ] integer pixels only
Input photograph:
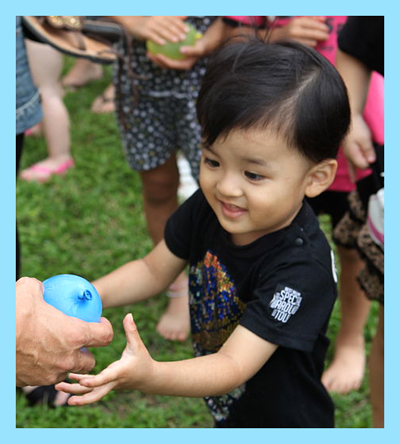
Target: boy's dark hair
[{"x": 284, "y": 86}]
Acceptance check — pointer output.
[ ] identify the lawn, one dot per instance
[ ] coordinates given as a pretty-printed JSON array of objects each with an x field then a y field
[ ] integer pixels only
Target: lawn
[{"x": 90, "y": 222}]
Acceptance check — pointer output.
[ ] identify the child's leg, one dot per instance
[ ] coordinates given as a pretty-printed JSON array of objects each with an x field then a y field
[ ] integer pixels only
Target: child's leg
[
  {"x": 376, "y": 377},
  {"x": 347, "y": 369},
  {"x": 46, "y": 64},
  {"x": 160, "y": 187}
]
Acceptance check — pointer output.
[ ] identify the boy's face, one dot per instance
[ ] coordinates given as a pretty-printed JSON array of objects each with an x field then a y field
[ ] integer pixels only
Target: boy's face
[{"x": 254, "y": 183}]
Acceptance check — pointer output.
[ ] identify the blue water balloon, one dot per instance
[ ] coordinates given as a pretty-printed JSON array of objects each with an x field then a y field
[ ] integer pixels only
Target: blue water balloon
[{"x": 74, "y": 296}]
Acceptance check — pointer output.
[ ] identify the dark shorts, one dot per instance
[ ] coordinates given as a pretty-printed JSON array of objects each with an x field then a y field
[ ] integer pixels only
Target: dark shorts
[
  {"x": 158, "y": 126},
  {"x": 334, "y": 203}
]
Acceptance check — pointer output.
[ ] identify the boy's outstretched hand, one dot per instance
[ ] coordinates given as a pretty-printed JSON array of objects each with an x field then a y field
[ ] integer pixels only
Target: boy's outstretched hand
[{"x": 134, "y": 367}]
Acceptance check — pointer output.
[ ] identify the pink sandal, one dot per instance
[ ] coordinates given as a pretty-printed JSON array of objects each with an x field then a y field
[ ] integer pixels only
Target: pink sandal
[{"x": 46, "y": 173}]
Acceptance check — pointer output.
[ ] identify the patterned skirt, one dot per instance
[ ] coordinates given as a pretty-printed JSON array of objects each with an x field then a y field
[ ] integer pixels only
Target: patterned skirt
[{"x": 352, "y": 232}]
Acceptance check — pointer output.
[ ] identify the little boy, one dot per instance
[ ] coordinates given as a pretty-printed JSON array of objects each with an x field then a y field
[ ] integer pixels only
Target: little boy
[{"x": 262, "y": 278}]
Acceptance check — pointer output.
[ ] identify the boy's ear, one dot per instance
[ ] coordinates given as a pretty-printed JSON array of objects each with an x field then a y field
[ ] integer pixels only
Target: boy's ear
[{"x": 320, "y": 177}]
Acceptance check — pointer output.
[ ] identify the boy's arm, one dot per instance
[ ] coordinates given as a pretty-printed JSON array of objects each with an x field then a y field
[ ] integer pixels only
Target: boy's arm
[
  {"x": 243, "y": 354},
  {"x": 140, "y": 279}
]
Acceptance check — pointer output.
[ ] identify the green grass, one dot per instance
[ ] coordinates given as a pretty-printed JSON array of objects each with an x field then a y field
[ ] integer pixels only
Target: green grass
[{"x": 90, "y": 222}]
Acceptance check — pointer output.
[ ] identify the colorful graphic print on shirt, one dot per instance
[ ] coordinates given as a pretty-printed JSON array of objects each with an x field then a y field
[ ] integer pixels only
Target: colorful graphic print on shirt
[{"x": 215, "y": 310}]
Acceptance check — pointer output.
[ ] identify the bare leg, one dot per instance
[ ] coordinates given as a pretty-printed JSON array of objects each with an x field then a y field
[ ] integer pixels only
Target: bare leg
[
  {"x": 83, "y": 72},
  {"x": 160, "y": 200},
  {"x": 46, "y": 64},
  {"x": 347, "y": 369},
  {"x": 376, "y": 370}
]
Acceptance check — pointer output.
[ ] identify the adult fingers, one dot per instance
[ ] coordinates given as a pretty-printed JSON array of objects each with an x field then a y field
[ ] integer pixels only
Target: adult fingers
[
  {"x": 99, "y": 334},
  {"x": 83, "y": 361},
  {"x": 29, "y": 284}
]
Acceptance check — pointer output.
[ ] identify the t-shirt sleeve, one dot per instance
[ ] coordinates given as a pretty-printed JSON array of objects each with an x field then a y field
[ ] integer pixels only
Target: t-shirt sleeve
[
  {"x": 363, "y": 38},
  {"x": 239, "y": 20},
  {"x": 291, "y": 306},
  {"x": 180, "y": 226}
]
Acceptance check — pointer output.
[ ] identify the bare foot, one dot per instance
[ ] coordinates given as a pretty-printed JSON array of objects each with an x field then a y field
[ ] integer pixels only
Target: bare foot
[
  {"x": 82, "y": 73},
  {"x": 42, "y": 171},
  {"x": 175, "y": 322},
  {"x": 104, "y": 104},
  {"x": 347, "y": 369}
]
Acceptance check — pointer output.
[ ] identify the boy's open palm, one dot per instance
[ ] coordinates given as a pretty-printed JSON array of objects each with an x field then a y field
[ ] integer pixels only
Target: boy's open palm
[{"x": 128, "y": 372}]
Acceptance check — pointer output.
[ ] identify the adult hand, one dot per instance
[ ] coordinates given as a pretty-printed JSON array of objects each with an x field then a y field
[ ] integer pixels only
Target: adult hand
[
  {"x": 358, "y": 147},
  {"x": 307, "y": 30},
  {"x": 48, "y": 342}
]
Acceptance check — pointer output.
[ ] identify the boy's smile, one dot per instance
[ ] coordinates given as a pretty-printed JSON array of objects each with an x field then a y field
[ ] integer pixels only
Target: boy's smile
[{"x": 254, "y": 183}]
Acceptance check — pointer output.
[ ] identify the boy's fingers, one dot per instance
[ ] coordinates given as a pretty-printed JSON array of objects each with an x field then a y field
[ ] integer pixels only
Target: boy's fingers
[
  {"x": 107, "y": 376},
  {"x": 131, "y": 332},
  {"x": 75, "y": 389},
  {"x": 89, "y": 398},
  {"x": 79, "y": 376}
]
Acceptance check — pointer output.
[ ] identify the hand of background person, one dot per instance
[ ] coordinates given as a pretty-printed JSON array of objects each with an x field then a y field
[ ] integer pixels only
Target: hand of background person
[
  {"x": 129, "y": 372},
  {"x": 307, "y": 30},
  {"x": 48, "y": 342},
  {"x": 210, "y": 41},
  {"x": 358, "y": 146},
  {"x": 192, "y": 53},
  {"x": 159, "y": 29}
]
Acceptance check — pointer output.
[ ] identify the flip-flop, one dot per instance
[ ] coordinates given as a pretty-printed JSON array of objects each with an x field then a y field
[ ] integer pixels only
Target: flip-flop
[
  {"x": 34, "y": 131},
  {"x": 45, "y": 395},
  {"x": 46, "y": 172}
]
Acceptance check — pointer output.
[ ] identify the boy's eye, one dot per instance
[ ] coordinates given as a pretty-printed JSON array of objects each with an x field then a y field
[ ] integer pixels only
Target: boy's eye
[
  {"x": 211, "y": 163},
  {"x": 253, "y": 176}
]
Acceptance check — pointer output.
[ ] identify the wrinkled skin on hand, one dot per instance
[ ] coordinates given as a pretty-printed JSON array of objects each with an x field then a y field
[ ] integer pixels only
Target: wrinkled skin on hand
[{"x": 49, "y": 343}]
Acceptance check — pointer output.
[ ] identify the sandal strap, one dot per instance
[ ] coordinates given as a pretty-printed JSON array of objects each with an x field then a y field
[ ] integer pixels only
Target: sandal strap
[{"x": 45, "y": 394}]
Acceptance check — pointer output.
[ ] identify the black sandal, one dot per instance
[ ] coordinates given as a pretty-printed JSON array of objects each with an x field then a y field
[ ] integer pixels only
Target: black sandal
[
  {"x": 74, "y": 36},
  {"x": 45, "y": 395}
]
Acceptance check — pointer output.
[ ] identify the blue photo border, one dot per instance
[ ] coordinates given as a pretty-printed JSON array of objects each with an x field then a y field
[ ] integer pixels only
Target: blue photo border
[{"x": 7, "y": 240}]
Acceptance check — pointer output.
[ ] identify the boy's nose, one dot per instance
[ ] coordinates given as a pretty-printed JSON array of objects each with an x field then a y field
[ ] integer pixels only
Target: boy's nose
[{"x": 228, "y": 185}]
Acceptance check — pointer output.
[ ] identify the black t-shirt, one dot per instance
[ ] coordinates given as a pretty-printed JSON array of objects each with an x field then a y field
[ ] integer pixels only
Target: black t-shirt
[
  {"x": 363, "y": 38},
  {"x": 282, "y": 288}
]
